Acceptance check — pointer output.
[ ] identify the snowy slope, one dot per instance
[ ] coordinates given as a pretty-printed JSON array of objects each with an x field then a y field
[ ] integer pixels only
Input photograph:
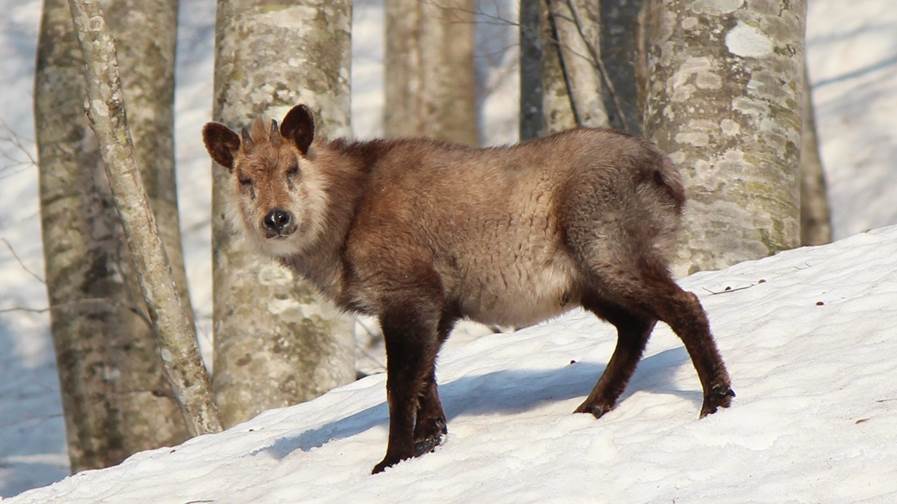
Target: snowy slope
[
  {"x": 809, "y": 339},
  {"x": 852, "y": 48}
]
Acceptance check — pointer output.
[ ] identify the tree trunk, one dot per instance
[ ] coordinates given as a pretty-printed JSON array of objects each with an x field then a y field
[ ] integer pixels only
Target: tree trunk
[
  {"x": 170, "y": 316},
  {"x": 276, "y": 341},
  {"x": 622, "y": 57},
  {"x": 724, "y": 100},
  {"x": 577, "y": 26},
  {"x": 815, "y": 219},
  {"x": 557, "y": 108},
  {"x": 578, "y": 65},
  {"x": 145, "y": 35},
  {"x": 430, "y": 83},
  {"x": 531, "y": 54},
  {"x": 115, "y": 397}
]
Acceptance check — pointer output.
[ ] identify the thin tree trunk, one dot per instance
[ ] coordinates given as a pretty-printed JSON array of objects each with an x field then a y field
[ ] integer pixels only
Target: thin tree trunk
[
  {"x": 724, "y": 99},
  {"x": 170, "y": 316},
  {"x": 115, "y": 396},
  {"x": 815, "y": 219},
  {"x": 277, "y": 342},
  {"x": 430, "y": 79},
  {"x": 577, "y": 25}
]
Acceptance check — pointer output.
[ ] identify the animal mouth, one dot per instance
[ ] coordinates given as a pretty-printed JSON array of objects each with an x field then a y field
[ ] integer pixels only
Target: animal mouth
[{"x": 280, "y": 235}]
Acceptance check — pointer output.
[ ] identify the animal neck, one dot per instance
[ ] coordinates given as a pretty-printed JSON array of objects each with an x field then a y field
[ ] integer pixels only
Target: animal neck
[{"x": 345, "y": 166}]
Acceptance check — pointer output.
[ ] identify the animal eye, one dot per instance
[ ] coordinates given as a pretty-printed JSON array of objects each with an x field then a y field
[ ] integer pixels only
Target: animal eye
[
  {"x": 293, "y": 170},
  {"x": 245, "y": 182}
]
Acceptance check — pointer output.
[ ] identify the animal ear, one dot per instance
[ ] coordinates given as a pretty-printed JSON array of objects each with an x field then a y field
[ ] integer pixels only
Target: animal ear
[
  {"x": 221, "y": 142},
  {"x": 298, "y": 126}
]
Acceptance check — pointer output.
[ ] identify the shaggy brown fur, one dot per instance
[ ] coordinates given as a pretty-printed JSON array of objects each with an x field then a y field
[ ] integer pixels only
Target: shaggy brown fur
[{"x": 421, "y": 233}]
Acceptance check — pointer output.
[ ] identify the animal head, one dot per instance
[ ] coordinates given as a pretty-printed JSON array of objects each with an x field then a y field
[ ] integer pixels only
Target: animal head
[{"x": 277, "y": 191}]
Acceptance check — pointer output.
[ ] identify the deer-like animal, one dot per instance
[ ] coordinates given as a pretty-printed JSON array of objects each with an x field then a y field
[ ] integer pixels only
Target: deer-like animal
[{"x": 421, "y": 233}]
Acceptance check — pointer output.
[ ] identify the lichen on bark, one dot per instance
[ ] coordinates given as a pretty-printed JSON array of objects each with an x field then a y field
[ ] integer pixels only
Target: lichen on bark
[
  {"x": 276, "y": 341},
  {"x": 723, "y": 98}
]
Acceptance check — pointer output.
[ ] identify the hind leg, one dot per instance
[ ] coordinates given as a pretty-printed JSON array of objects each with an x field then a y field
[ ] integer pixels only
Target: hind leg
[
  {"x": 649, "y": 288},
  {"x": 683, "y": 312},
  {"x": 633, "y": 330}
]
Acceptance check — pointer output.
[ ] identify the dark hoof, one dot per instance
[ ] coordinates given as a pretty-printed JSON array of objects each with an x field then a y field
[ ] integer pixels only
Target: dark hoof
[
  {"x": 429, "y": 434},
  {"x": 597, "y": 410},
  {"x": 386, "y": 462},
  {"x": 428, "y": 444},
  {"x": 720, "y": 397},
  {"x": 380, "y": 467}
]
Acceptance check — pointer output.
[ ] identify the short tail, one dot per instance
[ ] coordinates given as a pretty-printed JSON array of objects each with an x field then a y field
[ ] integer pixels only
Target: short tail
[
  {"x": 662, "y": 201},
  {"x": 667, "y": 177}
]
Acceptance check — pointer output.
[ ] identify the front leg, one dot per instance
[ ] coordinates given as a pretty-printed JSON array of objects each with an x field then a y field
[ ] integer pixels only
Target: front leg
[
  {"x": 411, "y": 345},
  {"x": 431, "y": 425},
  {"x": 430, "y": 428}
]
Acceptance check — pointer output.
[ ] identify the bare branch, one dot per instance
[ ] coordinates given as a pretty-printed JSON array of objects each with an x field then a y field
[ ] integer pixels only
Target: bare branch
[
  {"x": 571, "y": 48},
  {"x": 728, "y": 290},
  {"x": 103, "y": 302},
  {"x": 24, "y": 309},
  {"x": 490, "y": 19},
  {"x": 30, "y": 419},
  {"x": 598, "y": 63},
  {"x": 576, "y": 48},
  {"x": 19, "y": 260},
  {"x": 14, "y": 139},
  {"x": 373, "y": 336}
]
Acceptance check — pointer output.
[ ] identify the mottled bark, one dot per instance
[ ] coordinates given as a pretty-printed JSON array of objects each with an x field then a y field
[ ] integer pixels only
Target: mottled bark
[
  {"x": 724, "y": 100},
  {"x": 276, "y": 341},
  {"x": 622, "y": 56},
  {"x": 170, "y": 316},
  {"x": 577, "y": 26},
  {"x": 145, "y": 35},
  {"x": 815, "y": 218},
  {"x": 557, "y": 109},
  {"x": 430, "y": 80},
  {"x": 115, "y": 397}
]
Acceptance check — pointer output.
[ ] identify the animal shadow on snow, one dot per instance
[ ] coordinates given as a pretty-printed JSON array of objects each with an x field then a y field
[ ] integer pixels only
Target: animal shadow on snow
[{"x": 506, "y": 391}]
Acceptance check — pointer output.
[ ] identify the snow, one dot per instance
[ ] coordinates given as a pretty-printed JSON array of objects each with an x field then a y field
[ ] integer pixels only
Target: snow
[
  {"x": 804, "y": 374},
  {"x": 853, "y": 66},
  {"x": 808, "y": 338}
]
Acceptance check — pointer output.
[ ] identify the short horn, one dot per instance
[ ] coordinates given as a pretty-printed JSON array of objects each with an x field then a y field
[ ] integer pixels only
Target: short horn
[{"x": 274, "y": 134}]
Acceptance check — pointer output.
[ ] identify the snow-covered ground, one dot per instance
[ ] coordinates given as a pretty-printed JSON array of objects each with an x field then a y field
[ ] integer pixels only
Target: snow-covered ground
[
  {"x": 853, "y": 56},
  {"x": 809, "y": 340}
]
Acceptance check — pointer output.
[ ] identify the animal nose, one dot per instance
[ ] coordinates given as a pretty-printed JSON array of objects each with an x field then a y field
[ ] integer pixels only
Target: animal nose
[{"x": 277, "y": 220}]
